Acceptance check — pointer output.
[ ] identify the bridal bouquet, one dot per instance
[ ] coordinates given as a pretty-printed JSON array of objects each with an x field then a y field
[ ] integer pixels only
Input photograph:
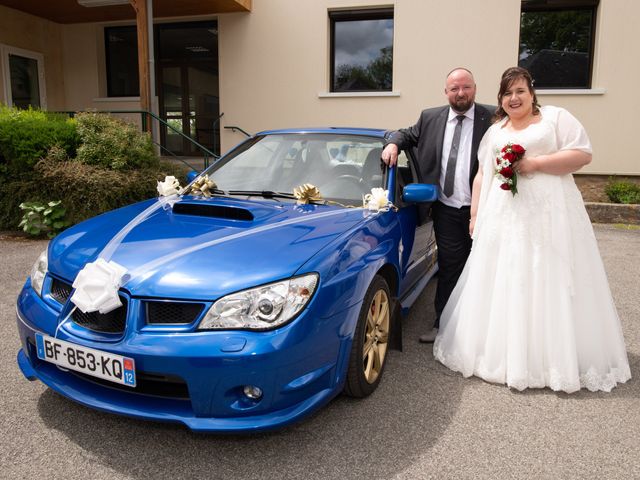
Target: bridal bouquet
[{"x": 508, "y": 155}]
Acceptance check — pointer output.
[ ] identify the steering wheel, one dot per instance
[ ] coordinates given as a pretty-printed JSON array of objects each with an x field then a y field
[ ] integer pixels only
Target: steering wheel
[
  {"x": 336, "y": 186},
  {"x": 348, "y": 177}
]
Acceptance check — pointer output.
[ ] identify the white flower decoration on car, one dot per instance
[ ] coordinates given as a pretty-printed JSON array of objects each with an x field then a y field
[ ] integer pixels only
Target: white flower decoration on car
[
  {"x": 96, "y": 286},
  {"x": 378, "y": 200},
  {"x": 170, "y": 186}
]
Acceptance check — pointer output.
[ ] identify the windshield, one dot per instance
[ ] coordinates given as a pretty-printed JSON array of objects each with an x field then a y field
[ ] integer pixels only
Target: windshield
[{"x": 343, "y": 167}]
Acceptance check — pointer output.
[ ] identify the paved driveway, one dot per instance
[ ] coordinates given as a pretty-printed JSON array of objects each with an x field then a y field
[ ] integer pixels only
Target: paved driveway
[{"x": 423, "y": 422}]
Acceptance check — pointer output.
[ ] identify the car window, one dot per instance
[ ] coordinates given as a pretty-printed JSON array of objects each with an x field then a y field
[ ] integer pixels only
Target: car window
[{"x": 343, "y": 167}]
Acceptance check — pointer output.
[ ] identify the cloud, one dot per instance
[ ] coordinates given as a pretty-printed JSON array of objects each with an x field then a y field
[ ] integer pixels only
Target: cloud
[{"x": 359, "y": 42}]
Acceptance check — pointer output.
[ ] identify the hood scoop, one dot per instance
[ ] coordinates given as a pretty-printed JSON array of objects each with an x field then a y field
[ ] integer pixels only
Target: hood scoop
[{"x": 213, "y": 211}]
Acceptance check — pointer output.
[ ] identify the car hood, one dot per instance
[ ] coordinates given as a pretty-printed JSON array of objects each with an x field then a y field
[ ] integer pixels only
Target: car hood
[{"x": 201, "y": 248}]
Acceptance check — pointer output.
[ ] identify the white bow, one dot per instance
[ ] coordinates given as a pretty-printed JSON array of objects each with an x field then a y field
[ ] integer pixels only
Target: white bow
[
  {"x": 96, "y": 286},
  {"x": 170, "y": 186}
]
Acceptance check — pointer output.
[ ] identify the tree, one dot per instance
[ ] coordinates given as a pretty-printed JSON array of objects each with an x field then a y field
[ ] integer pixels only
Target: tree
[
  {"x": 568, "y": 31},
  {"x": 377, "y": 75}
]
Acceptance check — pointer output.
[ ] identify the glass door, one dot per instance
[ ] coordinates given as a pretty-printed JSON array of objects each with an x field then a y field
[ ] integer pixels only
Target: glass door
[
  {"x": 188, "y": 86},
  {"x": 174, "y": 111}
]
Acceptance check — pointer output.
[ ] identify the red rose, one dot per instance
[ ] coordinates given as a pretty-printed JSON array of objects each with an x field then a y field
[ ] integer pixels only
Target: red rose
[
  {"x": 505, "y": 148},
  {"x": 505, "y": 186},
  {"x": 498, "y": 160},
  {"x": 509, "y": 156},
  {"x": 507, "y": 172},
  {"x": 517, "y": 149}
]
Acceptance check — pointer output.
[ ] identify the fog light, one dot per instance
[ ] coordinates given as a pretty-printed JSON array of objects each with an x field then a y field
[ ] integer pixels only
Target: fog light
[{"x": 253, "y": 392}]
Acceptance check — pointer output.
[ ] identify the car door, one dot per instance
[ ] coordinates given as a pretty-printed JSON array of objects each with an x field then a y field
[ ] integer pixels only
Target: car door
[{"x": 417, "y": 250}]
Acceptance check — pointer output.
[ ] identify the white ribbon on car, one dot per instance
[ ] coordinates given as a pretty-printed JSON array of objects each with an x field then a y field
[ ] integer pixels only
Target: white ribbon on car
[
  {"x": 170, "y": 186},
  {"x": 377, "y": 200},
  {"x": 97, "y": 284}
]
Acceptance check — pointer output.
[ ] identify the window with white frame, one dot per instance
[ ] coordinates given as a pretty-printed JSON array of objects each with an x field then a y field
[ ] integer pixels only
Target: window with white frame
[
  {"x": 557, "y": 42},
  {"x": 23, "y": 71},
  {"x": 361, "y": 50}
]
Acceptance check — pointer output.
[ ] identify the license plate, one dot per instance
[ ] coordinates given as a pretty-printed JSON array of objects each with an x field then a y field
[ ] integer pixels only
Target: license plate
[{"x": 114, "y": 368}]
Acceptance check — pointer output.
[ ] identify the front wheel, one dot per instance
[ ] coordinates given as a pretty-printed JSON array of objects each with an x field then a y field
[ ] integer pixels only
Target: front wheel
[{"x": 370, "y": 341}]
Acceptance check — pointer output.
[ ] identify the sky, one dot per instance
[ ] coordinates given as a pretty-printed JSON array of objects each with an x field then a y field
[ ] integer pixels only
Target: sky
[{"x": 359, "y": 42}]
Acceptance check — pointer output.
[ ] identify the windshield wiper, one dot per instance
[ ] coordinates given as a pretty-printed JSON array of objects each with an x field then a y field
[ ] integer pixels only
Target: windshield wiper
[
  {"x": 213, "y": 191},
  {"x": 263, "y": 193}
]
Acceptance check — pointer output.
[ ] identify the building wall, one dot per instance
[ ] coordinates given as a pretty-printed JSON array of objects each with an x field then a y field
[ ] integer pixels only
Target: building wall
[
  {"x": 274, "y": 68},
  {"x": 85, "y": 72},
  {"x": 21, "y": 30}
]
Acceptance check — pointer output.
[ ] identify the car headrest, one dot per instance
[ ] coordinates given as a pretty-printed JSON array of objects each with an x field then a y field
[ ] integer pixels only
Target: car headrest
[{"x": 372, "y": 164}]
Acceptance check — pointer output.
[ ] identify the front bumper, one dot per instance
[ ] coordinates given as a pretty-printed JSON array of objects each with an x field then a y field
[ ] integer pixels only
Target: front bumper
[{"x": 299, "y": 367}]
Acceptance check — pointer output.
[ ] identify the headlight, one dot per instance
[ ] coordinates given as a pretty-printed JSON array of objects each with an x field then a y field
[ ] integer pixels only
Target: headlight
[
  {"x": 262, "y": 307},
  {"x": 38, "y": 272}
]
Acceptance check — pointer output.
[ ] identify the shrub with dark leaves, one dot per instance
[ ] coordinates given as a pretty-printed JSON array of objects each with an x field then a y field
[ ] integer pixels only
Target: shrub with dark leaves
[{"x": 85, "y": 190}]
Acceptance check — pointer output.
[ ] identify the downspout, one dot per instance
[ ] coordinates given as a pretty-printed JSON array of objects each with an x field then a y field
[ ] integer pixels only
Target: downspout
[{"x": 155, "y": 127}]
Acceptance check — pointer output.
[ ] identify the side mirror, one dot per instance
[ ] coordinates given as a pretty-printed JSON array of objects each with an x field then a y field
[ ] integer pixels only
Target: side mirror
[
  {"x": 192, "y": 175},
  {"x": 419, "y": 193}
]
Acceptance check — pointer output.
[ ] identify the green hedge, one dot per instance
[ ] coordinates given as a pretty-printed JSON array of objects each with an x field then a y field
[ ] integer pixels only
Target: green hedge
[
  {"x": 85, "y": 190},
  {"x": 27, "y": 135},
  {"x": 622, "y": 191},
  {"x": 112, "y": 143}
]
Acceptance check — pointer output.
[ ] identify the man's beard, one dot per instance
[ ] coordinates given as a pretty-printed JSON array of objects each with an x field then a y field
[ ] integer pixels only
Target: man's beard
[{"x": 461, "y": 105}]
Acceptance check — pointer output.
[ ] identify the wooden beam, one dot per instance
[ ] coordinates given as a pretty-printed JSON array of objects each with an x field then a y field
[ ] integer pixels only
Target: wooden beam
[{"x": 140, "y": 7}]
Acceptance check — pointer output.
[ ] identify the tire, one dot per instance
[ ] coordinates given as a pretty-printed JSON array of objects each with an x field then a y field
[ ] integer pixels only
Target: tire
[{"x": 370, "y": 341}]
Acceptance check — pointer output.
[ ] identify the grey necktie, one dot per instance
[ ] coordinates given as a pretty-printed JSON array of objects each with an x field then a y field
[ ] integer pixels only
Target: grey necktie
[{"x": 453, "y": 157}]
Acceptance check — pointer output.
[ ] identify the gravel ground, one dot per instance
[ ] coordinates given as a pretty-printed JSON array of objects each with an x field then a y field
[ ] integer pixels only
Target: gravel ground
[{"x": 423, "y": 422}]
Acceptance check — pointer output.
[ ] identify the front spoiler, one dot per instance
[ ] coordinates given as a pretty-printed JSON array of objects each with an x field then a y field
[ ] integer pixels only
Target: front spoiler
[{"x": 167, "y": 410}]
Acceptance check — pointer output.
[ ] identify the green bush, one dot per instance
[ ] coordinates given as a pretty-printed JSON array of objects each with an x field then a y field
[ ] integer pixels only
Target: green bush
[
  {"x": 86, "y": 190},
  {"x": 27, "y": 135},
  {"x": 113, "y": 144},
  {"x": 40, "y": 219},
  {"x": 621, "y": 191}
]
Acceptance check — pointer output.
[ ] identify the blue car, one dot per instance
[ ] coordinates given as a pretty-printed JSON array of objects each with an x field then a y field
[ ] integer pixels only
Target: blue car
[{"x": 249, "y": 300}]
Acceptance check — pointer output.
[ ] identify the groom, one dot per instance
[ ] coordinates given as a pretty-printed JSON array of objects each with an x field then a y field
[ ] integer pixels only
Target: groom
[{"x": 445, "y": 144}]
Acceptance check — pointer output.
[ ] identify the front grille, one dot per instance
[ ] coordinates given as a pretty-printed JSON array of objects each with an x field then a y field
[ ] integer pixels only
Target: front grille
[
  {"x": 60, "y": 291},
  {"x": 111, "y": 322},
  {"x": 172, "y": 312},
  {"x": 167, "y": 386}
]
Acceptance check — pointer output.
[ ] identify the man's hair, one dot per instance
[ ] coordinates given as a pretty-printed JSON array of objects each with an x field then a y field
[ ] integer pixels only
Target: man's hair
[{"x": 460, "y": 68}]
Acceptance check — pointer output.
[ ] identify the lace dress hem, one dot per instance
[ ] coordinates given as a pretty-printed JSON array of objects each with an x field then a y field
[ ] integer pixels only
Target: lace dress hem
[{"x": 591, "y": 380}]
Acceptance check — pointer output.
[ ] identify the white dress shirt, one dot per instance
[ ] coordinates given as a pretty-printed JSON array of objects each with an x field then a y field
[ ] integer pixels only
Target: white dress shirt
[{"x": 461, "y": 189}]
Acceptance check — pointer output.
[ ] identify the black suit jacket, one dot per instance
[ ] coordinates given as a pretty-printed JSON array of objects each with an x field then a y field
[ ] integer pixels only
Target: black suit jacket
[{"x": 425, "y": 139}]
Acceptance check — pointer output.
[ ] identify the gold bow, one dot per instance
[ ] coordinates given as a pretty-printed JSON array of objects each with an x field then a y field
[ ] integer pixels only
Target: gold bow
[
  {"x": 203, "y": 186},
  {"x": 307, "y": 193}
]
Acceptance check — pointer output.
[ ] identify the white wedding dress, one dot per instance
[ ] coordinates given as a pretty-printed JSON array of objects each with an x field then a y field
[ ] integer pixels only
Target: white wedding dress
[{"x": 532, "y": 307}]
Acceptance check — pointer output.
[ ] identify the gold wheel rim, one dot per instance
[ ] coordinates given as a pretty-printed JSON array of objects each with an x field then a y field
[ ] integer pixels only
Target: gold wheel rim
[{"x": 376, "y": 336}]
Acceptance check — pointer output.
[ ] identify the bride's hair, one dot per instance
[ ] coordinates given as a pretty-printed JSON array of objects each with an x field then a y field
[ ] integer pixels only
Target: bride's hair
[{"x": 509, "y": 76}]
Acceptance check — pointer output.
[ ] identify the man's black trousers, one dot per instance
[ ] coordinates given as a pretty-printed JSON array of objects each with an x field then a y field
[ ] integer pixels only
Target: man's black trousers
[{"x": 454, "y": 244}]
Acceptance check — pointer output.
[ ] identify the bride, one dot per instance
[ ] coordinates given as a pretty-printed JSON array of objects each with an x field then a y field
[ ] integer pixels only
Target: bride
[{"x": 532, "y": 307}]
